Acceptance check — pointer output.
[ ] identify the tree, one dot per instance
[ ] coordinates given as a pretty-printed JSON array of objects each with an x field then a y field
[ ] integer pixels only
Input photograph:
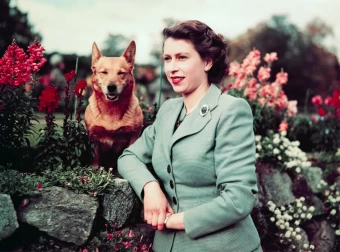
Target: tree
[
  {"x": 14, "y": 25},
  {"x": 115, "y": 45}
]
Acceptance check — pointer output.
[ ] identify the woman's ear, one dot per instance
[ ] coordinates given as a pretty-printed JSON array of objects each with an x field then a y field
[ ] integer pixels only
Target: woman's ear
[{"x": 208, "y": 64}]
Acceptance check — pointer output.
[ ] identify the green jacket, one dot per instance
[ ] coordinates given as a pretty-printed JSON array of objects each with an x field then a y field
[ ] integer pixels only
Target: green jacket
[{"x": 206, "y": 169}]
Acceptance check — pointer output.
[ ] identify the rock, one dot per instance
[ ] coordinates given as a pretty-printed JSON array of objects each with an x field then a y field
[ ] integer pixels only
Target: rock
[
  {"x": 321, "y": 234},
  {"x": 8, "y": 217},
  {"x": 121, "y": 206},
  {"x": 319, "y": 206},
  {"x": 313, "y": 176},
  {"x": 277, "y": 187},
  {"x": 62, "y": 214}
]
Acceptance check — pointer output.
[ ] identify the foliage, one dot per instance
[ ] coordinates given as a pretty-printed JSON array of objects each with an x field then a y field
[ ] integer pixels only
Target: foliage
[
  {"x": 18, "y": 184},
  {"x": 280, "y": 151},
  {"x": 81, "y": 179}
]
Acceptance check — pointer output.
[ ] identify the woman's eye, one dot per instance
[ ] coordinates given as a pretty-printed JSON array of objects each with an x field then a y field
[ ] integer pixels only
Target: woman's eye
[
  {"x": 103, "y": 72},
  {"x": 120, "y": 73},
  {"x": 166, "y": 58},
  {"x": 182, "y": 57}
]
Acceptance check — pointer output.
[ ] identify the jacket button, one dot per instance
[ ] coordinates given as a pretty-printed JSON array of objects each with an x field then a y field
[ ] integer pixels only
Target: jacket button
[
  {"x": 171, "y": 184},
  {"x": 169, "y": 169},
  {"x": 174, "y": 200}
]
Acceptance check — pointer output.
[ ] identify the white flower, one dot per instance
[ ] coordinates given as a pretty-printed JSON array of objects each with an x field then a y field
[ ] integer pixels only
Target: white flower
[
  {"x": 287, "y": 234},
  {"x": 298, "y": 169},
  {"x": 282, "y": 208},
  {"x": 311, "y": 246},
  {"x": 298, "y": 229},
  {"x": 277, "y": 211},
  {"x": 337, "y": 232},
  {"x": 297, "y": 223},
  {"x": 276, "y": 140},
  {"x": 298, "y": 237},
  {"x": 259, "y": 147},
  {"x": 257, "y": 155},
  {"x": 284, "y": 133},
  {"x": 305, "y": 245},
  {"x": 282, "y": 226},
  {"x": 309, "y": 216},
  {"x": 311, "y": 209},
  {"x": 303, "y": 216},
  {"x": 304, "y": 208},
  {"x": 272, "y": 219},
  {"x": 276, "y": 151},
  {"x": 270, "y": 203},
  {"x": 279, "y": 157},
  {"x": 302, "y": 199},
  {"x": 333, "y": 212},
  {"x": 272, "y": 208},
  {"x": 257, "y": 138},
  {"x": 270, "y": 146},
  {"x": 293, "y": 233}
]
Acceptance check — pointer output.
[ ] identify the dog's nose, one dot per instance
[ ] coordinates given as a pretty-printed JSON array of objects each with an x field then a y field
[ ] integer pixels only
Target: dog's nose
[{"x": 112, "y": 88}]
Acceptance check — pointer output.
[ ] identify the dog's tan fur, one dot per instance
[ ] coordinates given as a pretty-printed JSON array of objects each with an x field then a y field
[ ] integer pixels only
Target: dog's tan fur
[{"x": 113, "y": 125}]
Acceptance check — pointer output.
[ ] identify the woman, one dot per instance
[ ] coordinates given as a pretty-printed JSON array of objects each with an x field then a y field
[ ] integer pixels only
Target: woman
[{"x": 201, "y": 188}]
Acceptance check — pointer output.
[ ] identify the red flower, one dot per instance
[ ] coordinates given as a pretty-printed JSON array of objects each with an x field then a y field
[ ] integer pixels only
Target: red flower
[
  {"x": 317, "y": 100},
  {"x": 14, "y": 67},
  {"x": 230, "y": 85},
  {"x": 109, "y": 236},
  {"x": 40, "y": 187},
  {"x": 36, "y": 59},
  {"x": 224, "y": 89},
  {"x": 82, "y": 180},
  {"x": 328, "y": 101},
  {"x": 321, "y": 111},
  {"x": 337, "y": 113},
  {"x": 115, "y": 247},
  {"x": 70, "y": 76},
  {"x": 336, "y": 98},
  {"x": 80, "y": 86},
  {"x": 130, "y": 233},
  {"x": 1, "y": 106},
  {"x": 49, "y": 99}
]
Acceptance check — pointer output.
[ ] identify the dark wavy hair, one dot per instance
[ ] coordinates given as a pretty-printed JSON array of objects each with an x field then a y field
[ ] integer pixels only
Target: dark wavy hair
[{"x": 207, "y": 43}]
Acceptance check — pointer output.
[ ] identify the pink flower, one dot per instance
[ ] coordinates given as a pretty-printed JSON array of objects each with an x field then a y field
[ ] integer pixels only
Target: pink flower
[
  {"x": 115, "y": 247},
  {"x": 252, "y": 83},
  {"x": 251, "y": 93},
  {"x": 234, "y": 68},
  {"x": 281, "y": 78},
  {"x": 127, "y": 244},
  {"x": 292, "y": 108},
  {"x": 251, "y": 62},
  {"x": 149, "y": 109},
  {"x": 263, "y": 74},
  {"x": 281, "y": 102},
  {"x": 109, "y": 236},
  {"x": 130, "y": 233},
  {"x": 317, "y": 100},
  {"x": 40, "y": 186},
  {"x": 313, "y": 118},
  {"x": 283, "y": 126},
  {"x": 270, "y": 57},
  {"x": 328, "y": 101}
]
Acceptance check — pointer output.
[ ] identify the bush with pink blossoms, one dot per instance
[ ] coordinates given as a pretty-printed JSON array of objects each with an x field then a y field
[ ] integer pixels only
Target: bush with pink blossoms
[{"x": 267, "y": 99}]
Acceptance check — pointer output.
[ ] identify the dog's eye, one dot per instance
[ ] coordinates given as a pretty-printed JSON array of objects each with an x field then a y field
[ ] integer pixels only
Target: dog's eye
[
  {"x": 120, "y": 73},
  {"x": 103, "y": 72}
]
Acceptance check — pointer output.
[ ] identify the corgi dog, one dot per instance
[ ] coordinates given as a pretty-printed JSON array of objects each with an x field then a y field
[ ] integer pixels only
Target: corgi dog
[{"x": 113, "y": 117}]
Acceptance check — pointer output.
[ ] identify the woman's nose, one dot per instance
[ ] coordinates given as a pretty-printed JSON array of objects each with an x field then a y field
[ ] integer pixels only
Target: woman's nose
[{"x": 173, "y": 66}]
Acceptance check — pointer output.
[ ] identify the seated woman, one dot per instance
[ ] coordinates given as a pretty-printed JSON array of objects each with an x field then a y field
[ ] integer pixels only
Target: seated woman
[{"x": 202, "y": 188}]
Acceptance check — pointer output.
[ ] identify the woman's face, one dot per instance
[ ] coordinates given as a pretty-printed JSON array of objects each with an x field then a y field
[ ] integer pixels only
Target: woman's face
[{"x": 183, "y": 66}]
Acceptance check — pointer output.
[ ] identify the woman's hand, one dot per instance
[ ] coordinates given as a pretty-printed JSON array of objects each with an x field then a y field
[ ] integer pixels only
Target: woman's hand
[
  {"x": 176, "y": 221},
  {"x": 156, "y": 206}
]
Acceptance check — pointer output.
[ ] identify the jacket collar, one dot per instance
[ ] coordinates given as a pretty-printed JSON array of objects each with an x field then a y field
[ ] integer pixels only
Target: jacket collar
[{"x": 193, "y": 123}]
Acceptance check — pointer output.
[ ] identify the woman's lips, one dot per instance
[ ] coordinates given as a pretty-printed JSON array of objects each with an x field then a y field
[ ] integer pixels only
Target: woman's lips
[{"x": 176, "y": 80}]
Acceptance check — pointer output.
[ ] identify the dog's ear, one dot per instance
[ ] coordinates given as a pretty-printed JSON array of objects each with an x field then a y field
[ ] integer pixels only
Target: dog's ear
[
  {"x": 130, "y": 53},
  {"x": 96, "y": 54}
]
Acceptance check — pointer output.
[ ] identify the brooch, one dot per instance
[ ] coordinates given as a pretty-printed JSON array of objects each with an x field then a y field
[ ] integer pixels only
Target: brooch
[{"x": 204, "y": 110}]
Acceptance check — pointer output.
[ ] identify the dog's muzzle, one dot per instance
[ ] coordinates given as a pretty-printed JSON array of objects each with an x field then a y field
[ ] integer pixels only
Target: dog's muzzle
[{"x": 112, "y": 94}]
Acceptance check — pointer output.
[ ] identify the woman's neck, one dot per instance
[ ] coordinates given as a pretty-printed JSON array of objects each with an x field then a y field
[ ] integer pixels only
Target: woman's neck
[{"x": 192, "y": 99}]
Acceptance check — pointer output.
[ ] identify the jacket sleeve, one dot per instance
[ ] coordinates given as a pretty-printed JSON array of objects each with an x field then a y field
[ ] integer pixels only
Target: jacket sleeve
[
  {"x": 235, "y": 170},
  {"x": 132, "y": 163}
]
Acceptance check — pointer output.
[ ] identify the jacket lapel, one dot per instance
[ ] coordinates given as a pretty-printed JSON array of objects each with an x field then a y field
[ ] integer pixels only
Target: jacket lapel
[{"x": 194, "y": 122}]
